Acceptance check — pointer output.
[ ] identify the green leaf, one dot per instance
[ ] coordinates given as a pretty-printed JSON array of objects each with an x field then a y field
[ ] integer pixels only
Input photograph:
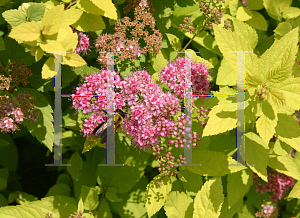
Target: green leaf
[
  {"x": 15, "y": 52},
  {"x": 25, "y": 32},
  {"x": 288, "y": 131},
  {"x": 89, "y": 23},
  {"x": 14, "y": 17},
  {"x": 59, "y": 189},
  {"x": 174, "y": 41},
  {"x": 283, "y": 28},
  {"x": 258, "y": 21},
  {"x": 190, "y": 181},
  {"x": 2, "y": 45},
  {"x": 42, "y": 129},
  {"x": 255, "y": 4},
  {"x": 157, "y": 195},
  {"x": 3, "y": 201},
  {"x": 272, "y": 7},
  {"x": 291, "y": 12},
  {"x": 243, "y": 14},
  {"x": 256, "y": 153},
  {"x": 31, "y": 211},
  {"x": 209, "y": 199},
  {"x": 90, "y": 197},
  {"x": 35, "y": 12},
  {"x": 267, "y": 122},
  {"x": 229, "y": 211},
  {"x": 111, "y": 194},
  {"x": 238, "y": 184},
  {"x": 245, "y": 31},
  {"x": 178, "y": 205},
  {"x": 226, "y": 75},
  {"x": 284, "y": 164},
  {"x": 76, "y": 165},
  {"x": 110, "y": 176},
  {"x": 9, "y": 157},
  {"x": 295, "y": 192},
  {"x": 233, "y": 6},
  {"x": 104, "y": 209}
]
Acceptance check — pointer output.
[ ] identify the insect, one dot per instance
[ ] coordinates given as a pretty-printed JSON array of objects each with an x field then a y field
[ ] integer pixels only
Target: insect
[{"x": 101, "y": 130}]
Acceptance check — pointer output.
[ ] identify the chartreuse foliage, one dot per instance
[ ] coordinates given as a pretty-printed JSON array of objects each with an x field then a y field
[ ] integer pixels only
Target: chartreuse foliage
[{"x": 266, "y": 30}]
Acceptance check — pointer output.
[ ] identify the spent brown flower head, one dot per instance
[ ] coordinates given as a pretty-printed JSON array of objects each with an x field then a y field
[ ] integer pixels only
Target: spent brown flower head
[{"x": 132, "y": 38}]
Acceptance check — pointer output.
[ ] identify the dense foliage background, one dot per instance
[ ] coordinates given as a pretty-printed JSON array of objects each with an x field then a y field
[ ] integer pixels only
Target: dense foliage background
[{"x": 150, "y": 40}]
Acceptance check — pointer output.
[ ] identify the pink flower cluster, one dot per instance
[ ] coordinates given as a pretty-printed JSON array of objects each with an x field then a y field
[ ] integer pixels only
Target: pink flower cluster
[
  {"x": 91, "y": 98},
  {"x": 268, "y": 211},
  {"x": 83, "y": 42},
  {"x": 150, "y": 109},
  {"x": 174, "y": 76},
  {"x": 278, "y": 184}
]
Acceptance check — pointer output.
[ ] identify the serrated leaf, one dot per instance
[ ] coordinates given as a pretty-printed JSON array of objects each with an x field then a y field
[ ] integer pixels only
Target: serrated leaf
[
  {"x": 52, "y": 20},
  {"x": 42, "y": 129},
  {"x": 178, "y": 205},
  {"x": 35, "y": 11},
  {"x": 90, "y": 197},
  {"x": 73, "y": 60},
  {"x": 111, "y": 194},
  {"x": 208, "y": 201},
  {"x": 48, "y": 69},
  {"x": 256, "y": 153},
  {"x": 31, "y": 211},
  {"x": 243, "y": 14},
  {"x": 258, "y": 21},
  {"x": 25, "y": 32},
  {"x": 76, "y": 165},
  {"x": 245, "y": 31},
  {"x": 238, "y": 184},
  {"x": 295, "y": 192},
  {"x": 267, "y": 122},
  {"x": 278, "y": 60},
  {"x": 157, "y": 195},
  {"x": 288, "y": 131},
  {"x": 67, "y": 38},
  {"x": 291, "y": 12},
  {"x": 284, "y": 164},
  {"x": 291, "y": 91},
  {"x": 89, "y": 23},
  {"x": 276, "y": 97},
  {"x": 14, "y": 17},
  {"x": 226, "y": 75}
]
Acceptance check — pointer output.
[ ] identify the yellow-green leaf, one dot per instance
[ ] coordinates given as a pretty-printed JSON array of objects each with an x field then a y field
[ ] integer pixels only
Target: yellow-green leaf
[
  {"x": 52, "y": 46},
  {"x": 243, "y": 14},
  {"x": 108, "y": 7},
  {"x": 284, "y": 164},
  {"x": 258, "y": 21},
  {"x": 67, "y": 38},
  {"x": 291, "y": 12},
  {"x": 283, "y": 28},
  {"x": 208, "y": 201},
  {"x": 71, "y": 16},
  {"x": 174, "y": 41},
  {"x": 52, "y": 20},
  {"x": 25, "y": 32},
  {"x": 48, "y": 69},
  {"x": 255, "y": 4},
  {"x": 159, "y": 61},
  {"x": 73, "y": 60},
  {"x": 295, "y": 192},
  {"x": 179, "y": 205},
  {"x": 157, "y": 195},
  {"x": 256, "y": 153},
  {"x": 89, "y": 23},
  {"x": 14, "y": 17},
  {"x": 39, "y": 54}
]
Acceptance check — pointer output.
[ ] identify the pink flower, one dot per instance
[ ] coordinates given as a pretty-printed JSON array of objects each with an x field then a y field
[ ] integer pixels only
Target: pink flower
[{"x": 83, "y": 43}]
